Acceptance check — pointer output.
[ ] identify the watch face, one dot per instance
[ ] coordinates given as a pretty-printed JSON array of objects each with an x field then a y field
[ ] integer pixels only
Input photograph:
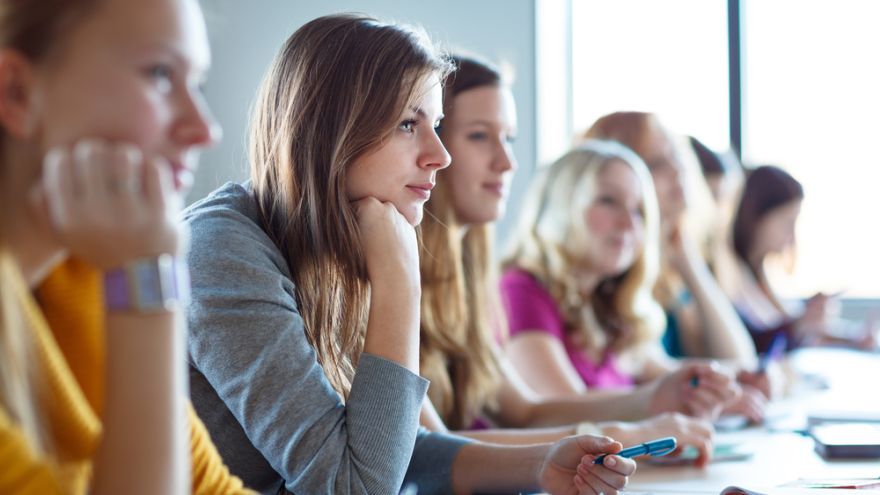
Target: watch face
[
  {"x": 145, "y": 285},
  {"x": 149, "y": 286}
]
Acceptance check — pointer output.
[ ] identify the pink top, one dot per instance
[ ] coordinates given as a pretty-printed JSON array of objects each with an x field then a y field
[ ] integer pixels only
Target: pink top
[{"x": 530, "y": 308}]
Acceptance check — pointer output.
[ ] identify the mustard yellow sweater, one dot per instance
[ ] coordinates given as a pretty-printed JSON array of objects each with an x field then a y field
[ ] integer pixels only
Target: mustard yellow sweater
[{"x": 68, "y": 324}]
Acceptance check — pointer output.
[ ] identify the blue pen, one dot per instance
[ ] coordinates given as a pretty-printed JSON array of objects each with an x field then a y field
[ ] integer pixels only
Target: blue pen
[
  {"x": 656, "y": 448},
  {"x": 774, "y": 352}
]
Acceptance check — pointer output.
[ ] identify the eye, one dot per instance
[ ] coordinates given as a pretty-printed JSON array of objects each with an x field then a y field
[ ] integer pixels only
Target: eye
[
  {"x": 606, "y": 200},
  {"x": 478, "y": 136},
  {"x": 161, "y": 75},
  {"x": 408, "y": 125}
]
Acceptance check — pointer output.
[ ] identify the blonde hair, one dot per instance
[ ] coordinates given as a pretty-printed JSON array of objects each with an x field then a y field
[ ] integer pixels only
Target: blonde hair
[
  {"x": 333, "y": 93},
  {"x": 620, "y": 314},
  {"x": 461, "y": 315},
  {"x": 32, "y": 29}
]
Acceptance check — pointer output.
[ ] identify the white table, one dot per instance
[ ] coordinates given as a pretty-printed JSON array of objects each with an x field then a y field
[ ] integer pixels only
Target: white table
[{"x": 780, "y": 455}]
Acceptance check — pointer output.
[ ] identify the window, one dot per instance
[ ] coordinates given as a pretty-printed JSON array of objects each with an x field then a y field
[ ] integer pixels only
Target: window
[
  {"x": 811, "y": 105},
  {"x": 666, "y": 57}
]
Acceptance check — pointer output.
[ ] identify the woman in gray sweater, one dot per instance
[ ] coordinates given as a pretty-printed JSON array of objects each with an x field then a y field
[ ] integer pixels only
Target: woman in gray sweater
[{"x": 304, "y": 321}]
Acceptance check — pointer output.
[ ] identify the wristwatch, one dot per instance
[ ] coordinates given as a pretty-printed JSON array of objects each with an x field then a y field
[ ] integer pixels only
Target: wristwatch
[{"x": 147, "y": 285}]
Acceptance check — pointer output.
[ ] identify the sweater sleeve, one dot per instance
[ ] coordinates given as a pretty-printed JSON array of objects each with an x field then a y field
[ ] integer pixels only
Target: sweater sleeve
[
  {"x": 23, "y": 472},
  {"x": 247, "y": 338}
]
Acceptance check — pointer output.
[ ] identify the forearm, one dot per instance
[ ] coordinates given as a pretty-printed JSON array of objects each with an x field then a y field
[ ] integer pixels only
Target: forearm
[
  {"x": 488, "y": 468},
  {"x": 393, "y": 327},
  {"x": 144, "y": 445},
  {"x": 593, "y": 406},
  {"x": 525, "y": 436},
  {"x": 725, "y": 337}
]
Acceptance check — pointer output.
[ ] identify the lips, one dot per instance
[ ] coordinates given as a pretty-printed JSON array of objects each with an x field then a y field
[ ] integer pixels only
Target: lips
[
  {"x": 619, "y": 243},
  {"x": 183, "y": 176},
  {"x": 496, "y": 188},
  {"x": 422, "y": 190}
]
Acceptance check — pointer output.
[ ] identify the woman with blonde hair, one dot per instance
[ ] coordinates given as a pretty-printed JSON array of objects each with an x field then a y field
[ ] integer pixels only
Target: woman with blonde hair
[
  {"x": 588, "y": 240},
  {"x": 100, "y": 111},
  {"x": 462, "y": 320},
  {"x": 304, "y": 344}
]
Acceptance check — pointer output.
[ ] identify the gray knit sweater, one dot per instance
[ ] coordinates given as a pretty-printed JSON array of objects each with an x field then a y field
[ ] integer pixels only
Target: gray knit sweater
[{"x": 256, "y": 383}]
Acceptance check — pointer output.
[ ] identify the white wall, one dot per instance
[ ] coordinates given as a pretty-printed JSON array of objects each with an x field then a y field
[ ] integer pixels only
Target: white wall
[{"x": 246, "y": 34}]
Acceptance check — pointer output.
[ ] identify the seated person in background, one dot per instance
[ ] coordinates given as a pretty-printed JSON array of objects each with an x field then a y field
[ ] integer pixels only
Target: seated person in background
[
  {"x": 304, "y": 341},
  {"x": 461, "y": 318},
  {"x": 723, "y": 176},
  {"x": 764, "y": 225},
  {"x": 100, "y": 118},
  {"x": 722, "y": 172}
]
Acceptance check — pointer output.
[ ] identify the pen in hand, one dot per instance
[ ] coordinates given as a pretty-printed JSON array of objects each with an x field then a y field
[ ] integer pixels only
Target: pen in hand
[
  {"x": 774, "y": 352},
  {"x": 661, "y": 446}
]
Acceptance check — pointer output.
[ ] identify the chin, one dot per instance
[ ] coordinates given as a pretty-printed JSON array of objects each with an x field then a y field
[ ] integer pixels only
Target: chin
[
  {"x": 615, "y": 265},
  {"x": 477, "y": 218},
  {"x": 414, "y": 218}
]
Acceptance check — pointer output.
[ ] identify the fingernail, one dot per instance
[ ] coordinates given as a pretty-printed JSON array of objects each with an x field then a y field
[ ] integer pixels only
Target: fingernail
[{"x": 610, "y": 461}]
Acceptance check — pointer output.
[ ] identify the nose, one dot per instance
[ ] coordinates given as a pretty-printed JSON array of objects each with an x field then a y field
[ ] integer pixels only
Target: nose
[
  {"x": 434, "y": 154},
  {"x": 626, "y": 220},
  {"x": 196, "y": 125},
  {"x": 504, "y": 158}
]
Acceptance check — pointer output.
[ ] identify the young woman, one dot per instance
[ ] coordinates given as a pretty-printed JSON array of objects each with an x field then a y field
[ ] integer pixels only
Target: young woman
[
  {"x": 764, "y": 225},
  {"x": 100, "y": 111},
  {"x": 304, "y": 344},
  {"x": 462, "y": 320}
]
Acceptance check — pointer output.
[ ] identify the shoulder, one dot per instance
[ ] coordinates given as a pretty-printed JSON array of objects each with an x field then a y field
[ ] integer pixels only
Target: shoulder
[
  {"x": 225, "y": 228},
  {"x": 232, "y": 206},
  {"x": 528, "y": 304},
  {"x": 517, "y": 284},
  {"x": 521, "y": 280}
]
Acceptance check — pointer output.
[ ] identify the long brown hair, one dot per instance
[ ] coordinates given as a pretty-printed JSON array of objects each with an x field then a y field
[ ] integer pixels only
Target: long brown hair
[
  {"x": 620, "y": 314},
  {"x": 766, "y": 189},
  {"x": 460, "y": 314},
  {"x": 32, "y": 29},
  {"x": 333, "y": 93}
]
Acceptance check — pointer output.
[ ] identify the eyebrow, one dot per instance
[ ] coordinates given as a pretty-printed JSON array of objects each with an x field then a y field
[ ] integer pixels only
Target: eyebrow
[
  {"x": 200, "y": 66},
  {"x": 418, "y": 111},
  {"x": 486, "y": 123}
]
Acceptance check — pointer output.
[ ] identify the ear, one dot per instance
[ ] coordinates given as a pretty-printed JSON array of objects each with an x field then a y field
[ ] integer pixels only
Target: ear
[{"x": 16, "y": 93}]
